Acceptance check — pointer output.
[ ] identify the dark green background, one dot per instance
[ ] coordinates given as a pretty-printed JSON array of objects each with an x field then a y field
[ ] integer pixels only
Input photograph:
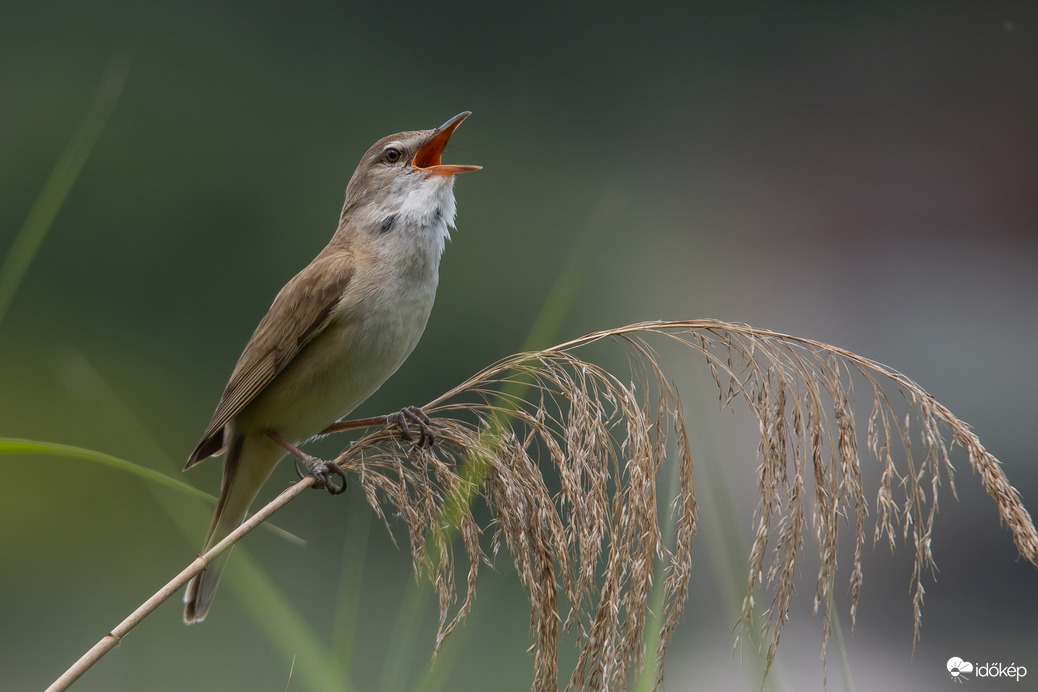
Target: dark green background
[{"x": 863, "y": 175}]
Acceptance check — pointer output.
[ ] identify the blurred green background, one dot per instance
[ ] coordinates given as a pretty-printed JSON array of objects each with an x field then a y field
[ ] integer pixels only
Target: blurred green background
[{"x": 862, "y": 176}]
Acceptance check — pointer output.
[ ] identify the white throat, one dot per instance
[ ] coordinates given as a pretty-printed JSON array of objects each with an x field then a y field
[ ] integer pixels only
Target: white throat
[{"x": 425, "y": 204}]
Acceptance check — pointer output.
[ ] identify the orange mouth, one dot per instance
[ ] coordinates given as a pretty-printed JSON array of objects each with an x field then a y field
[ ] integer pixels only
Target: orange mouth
[{"x": 428, "y": 157}]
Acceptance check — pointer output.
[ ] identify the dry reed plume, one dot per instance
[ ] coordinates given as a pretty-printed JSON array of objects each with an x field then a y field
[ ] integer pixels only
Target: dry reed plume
[
  {"x": 596, "y": 539},
  {"x": 565, "y": 455}
]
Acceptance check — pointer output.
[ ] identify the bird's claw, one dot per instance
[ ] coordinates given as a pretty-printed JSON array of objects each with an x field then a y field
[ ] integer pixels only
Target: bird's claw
[
  {"x": 409, "y": 415},
  {"x": 323, "y": 471}
]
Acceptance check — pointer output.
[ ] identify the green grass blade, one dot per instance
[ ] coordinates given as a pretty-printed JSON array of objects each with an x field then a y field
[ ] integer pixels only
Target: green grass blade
[
  {"x": 55, "y": 191},
  {"x": 10, "y": 445}
]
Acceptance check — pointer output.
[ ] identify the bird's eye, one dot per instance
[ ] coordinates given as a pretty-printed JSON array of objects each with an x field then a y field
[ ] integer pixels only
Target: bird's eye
[{"x": 392, "y": 155}]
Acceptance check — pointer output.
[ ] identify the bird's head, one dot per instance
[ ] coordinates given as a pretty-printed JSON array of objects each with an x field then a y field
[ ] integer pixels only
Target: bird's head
[{"x": 403, "y": 175}]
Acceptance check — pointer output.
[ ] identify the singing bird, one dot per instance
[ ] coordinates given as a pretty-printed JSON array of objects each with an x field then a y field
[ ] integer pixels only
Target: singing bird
[{"x": 335, "y": 332}]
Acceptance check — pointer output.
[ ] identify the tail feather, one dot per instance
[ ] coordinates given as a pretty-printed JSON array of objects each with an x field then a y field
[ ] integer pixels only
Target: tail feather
[{"x": 248, "y": 464}]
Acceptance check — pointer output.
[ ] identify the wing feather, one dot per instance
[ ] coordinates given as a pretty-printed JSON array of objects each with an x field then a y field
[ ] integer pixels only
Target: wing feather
[{"x": 299, "y": 313}]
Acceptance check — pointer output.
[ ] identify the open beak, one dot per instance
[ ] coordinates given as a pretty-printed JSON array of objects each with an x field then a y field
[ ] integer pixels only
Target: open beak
[{"x": 427, "y": 159}]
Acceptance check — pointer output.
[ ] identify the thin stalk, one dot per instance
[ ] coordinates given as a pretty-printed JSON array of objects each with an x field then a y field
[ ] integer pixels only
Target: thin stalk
[{"x": 110, "y": 640}]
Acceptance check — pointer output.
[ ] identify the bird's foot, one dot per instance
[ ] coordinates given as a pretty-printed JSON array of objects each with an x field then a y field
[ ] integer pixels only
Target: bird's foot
[
  {"x": 413, "y": 415},
  {"x": 321, "y": 469},
  {"x": 324, "y": 471}
]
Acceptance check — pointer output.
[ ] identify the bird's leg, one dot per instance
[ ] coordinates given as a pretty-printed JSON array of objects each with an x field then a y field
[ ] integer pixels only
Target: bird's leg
[
  {"x": 409, "y": 414},
  {"x": 342, "y": 425},
  {"x": 321, "y": 469}
]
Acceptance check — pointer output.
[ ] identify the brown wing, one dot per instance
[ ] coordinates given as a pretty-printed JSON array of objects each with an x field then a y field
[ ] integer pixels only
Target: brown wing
[{"x": 299, "y": 312}]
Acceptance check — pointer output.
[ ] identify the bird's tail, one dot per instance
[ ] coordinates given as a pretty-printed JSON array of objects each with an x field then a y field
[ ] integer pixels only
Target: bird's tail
[{"x": 248, "y": 464}]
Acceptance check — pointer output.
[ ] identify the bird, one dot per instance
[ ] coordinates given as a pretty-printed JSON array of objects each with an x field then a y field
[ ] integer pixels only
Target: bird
[{"x": 335, "y": 332}]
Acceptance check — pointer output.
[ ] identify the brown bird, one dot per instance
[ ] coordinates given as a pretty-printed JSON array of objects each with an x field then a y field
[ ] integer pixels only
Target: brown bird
[{"x": 335, "y": 332}]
